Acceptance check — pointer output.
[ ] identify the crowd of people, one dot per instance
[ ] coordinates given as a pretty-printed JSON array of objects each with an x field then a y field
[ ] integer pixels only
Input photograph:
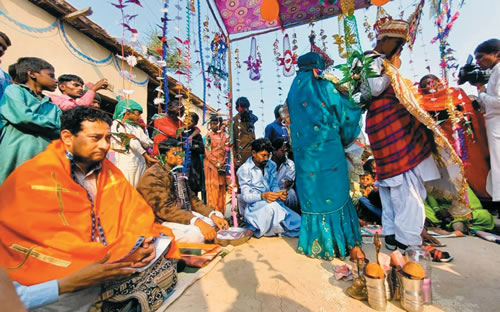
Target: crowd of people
[{"x": 105, "y": 202}]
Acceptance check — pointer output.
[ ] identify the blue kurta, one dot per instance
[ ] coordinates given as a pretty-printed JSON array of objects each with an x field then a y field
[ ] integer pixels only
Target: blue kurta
[
  {"x": 265, "y": 219},
  {"x": 27, "y": 126},
  {"x": 322, "y": 124}
]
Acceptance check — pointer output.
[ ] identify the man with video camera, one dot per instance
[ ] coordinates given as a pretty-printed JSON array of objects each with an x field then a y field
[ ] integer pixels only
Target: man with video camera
[{"x": 487, "y": 56}]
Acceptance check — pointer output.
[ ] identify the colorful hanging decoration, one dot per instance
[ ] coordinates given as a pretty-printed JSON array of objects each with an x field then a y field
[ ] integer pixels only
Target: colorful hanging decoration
[
  {"x": 237, "y": 64},
  {"x": 269, "y": 10},
  {"x": 279, "y": 62},
  {"x": 414, "y": 22},
  {"x": 368, "y": 29},
  {"x": 202, "y": 61},
  {"x": 289, "y": 58},
  {"x": 444, "y": 22},
  {"x": 217, "y": 67},
  {"x": 254, "y": 61}
]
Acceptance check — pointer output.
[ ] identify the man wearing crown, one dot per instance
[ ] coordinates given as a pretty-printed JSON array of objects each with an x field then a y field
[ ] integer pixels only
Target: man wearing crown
[{"x": 402, "y": 144}]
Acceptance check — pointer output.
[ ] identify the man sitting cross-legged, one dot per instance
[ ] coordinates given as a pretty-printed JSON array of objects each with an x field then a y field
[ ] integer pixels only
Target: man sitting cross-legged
[
  {"x": 166, "y": 190},
  {"x": 265, "y": 212},
  {"x": 67, "y": 208}
]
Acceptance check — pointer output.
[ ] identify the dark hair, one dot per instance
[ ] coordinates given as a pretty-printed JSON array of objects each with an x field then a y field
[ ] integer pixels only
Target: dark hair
[
  {"x": 427, "y": 77},
  {"x": 194, "y": 117},
  {"x": 29, "y": 64},
  {"x": 5, "y": 38},
  {"x": 278, "y": 143},
  {"x": 97, "y": 97},
  {"x": 12, "y": 72},
  {"x": 242, "y": 102},
  {"x": 489, "y": 46},
  {"x": 69, "y": 77},
  {"x": 166, "y": 145},
  {"x": 367, "y": 166},
  {"x": 277, "y": 111},
  {"x": 262, "y": 144},
  {"x": 216, "y": 118},
  {"x": 72, "y": 119}
]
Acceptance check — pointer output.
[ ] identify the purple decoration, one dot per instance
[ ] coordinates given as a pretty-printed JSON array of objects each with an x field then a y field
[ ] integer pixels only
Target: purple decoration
[
  {"x": 253, "y": 61},
  {"x": 244, "y": 15}
]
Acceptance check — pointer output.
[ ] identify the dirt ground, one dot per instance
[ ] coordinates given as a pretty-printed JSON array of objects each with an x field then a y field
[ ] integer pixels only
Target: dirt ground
[{"x": 267, "y": 275}]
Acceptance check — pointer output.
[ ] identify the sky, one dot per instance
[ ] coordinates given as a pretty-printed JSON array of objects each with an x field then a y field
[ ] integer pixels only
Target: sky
[{"x": 478, "y": 21}]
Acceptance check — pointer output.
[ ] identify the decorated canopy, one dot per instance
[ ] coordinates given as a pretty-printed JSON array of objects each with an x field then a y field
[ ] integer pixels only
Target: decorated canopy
[{"x": 244, "y": 15}]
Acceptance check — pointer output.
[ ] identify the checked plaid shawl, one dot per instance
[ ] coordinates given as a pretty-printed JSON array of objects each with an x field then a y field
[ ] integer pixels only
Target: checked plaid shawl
[{"x": 398, "y": 140}]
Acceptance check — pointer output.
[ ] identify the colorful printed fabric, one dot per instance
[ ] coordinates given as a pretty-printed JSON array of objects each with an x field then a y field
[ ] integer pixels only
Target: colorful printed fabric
[
  {"x": 398, "y": 140},
  {"x": 244, "y": 15}
]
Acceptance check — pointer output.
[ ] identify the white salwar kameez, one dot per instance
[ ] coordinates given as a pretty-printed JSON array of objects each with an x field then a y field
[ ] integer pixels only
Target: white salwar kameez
[
  {"x": 131, "y": 163},
  {"x": 190, "y": 233},
  {"x": 490, "y": 102},
  {"x": 402, "y": 197}
]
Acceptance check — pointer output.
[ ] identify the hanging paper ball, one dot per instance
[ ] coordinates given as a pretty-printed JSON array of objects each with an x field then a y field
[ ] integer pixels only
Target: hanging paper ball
[
  {"x": 269, "y": 10},
  {"x": 379, "y": 2}
]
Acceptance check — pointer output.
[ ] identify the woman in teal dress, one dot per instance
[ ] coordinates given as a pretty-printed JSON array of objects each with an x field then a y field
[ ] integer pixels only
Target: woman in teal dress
[{"x": 323, "y": 123}]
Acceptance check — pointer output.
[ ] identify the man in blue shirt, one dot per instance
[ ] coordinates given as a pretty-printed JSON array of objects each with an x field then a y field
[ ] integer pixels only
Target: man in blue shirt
[
  {"x": 276, "y": 129},
  {"x": 5, "y": 78},
  {"x": 265, "y": 212}
]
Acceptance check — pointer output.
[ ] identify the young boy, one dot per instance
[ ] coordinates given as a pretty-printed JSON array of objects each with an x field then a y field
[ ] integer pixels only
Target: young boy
[
  {"x": 71, "y": 87},
  {"x": 370, "y": 207},
  {"x": 195, "y": 168},
  {"x": 28, "y": 120}
]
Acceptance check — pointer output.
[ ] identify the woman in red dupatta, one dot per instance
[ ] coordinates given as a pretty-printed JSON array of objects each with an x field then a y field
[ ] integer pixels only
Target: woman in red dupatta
[{"x": 433, "y": 97}]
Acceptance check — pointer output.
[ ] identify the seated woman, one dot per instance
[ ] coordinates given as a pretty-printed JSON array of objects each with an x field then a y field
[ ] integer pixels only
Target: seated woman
[
  {"x": 433, "y": 98},
  {"x": 437, "y": 215}
]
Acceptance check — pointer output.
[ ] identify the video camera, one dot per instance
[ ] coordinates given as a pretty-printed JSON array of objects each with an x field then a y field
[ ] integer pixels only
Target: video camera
[{"x": 472, "y": 73}]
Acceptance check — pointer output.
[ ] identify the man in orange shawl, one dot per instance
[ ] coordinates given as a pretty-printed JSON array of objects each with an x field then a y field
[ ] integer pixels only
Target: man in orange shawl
[
  {"x": 69, "y": 207},
  {"x": 433, "y": 97}
]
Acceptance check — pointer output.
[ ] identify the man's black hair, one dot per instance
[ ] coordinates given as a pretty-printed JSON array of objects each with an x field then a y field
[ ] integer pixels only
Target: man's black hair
[
  {"x": 167, "y": 145},
  {"x": 488, "y": 46},
  {"x": 29, "y": 64},
  {"x": 97, "y": 97},
  {"x": 262, "y": 144},
  {"x": 278, "y": 143},
  {"x": 277, "y": 111},
  {"x": 242, "y": 102},
  {"x": 12, "y": 72},
  {"x": 72, "y": 119},
  {"x": 5, "y": 38},
  {"x": 368, "y": 166},
  {"x": 69, "y": 77},
  {"x": 214, "y": 117},
  {"x": 194, "y": 117}
]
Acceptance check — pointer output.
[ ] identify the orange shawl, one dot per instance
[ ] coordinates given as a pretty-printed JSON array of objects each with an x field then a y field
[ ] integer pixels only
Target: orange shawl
[{"x": 45, "y": 218}]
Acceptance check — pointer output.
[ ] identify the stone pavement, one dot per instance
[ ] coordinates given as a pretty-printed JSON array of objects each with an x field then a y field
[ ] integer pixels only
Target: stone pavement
[{"x": 267, "y": 275}]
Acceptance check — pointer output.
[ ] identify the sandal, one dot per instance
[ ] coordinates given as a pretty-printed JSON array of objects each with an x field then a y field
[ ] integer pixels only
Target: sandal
[{"x": 438, "y": 255}]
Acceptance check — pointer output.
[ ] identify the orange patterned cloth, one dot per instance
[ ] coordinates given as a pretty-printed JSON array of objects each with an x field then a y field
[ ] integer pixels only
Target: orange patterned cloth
[
  {"x": 477, "y": 162},
  {"x": 45, "y": 232}
]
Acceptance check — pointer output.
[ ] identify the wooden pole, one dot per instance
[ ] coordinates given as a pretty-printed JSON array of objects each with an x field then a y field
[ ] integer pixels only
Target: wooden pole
[{"x": 231, "y": 135}]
